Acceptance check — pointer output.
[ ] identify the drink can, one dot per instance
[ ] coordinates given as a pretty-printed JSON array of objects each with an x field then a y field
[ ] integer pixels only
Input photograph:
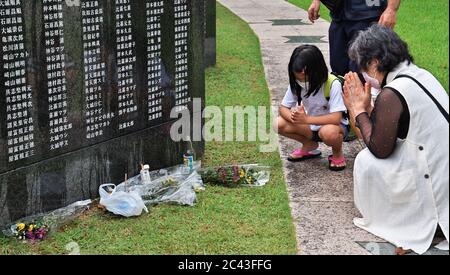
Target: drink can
[{"x": 189, "y": 161}]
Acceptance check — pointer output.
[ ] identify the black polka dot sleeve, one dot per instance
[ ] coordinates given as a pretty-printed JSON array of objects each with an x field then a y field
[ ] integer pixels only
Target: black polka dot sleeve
[{"x": 389, "y": 120}]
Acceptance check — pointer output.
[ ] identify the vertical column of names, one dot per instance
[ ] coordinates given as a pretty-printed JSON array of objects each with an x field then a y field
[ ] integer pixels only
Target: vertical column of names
[
  {"x": 94, "y": 69},
  {"x": 205, "y": 16},
  {"x": 19, "y": 121},
  {"x": 182, "y": 22},
  {"x": 126, "y": 59},
  {"x": 154, "y": 11},
  {"x": 56, "y": 74}
]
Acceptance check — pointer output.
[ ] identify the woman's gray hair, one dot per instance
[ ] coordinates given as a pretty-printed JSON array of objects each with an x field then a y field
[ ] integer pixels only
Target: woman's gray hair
[{"x": 379, "y": 43}]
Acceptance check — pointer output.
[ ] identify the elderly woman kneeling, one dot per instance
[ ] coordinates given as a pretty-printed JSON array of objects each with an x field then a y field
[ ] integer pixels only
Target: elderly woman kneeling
[{"x": 401, "y": 179}]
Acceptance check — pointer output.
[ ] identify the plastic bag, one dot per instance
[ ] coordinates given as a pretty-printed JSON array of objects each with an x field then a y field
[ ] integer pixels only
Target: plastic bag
[
  {"x": 65, "y": 215},
  {"x": 177, "y": 188},
  {"x": 51, "y": 220},
  {"x": 443, "y": 245},
  {"x": 176, "y": 185},
  {"x": 127, "y": 204}
]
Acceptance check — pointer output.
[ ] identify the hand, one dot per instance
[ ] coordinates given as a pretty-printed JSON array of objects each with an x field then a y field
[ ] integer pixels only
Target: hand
[
  {"x": 356, "y": 96},
  {"x": 388, "y": 18},
  {"x": 299, "y": 116},
  {"x": 313, "y": 11}
]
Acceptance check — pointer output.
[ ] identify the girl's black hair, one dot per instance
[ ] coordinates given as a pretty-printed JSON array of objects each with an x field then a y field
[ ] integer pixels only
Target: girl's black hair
[{"x": 308, "y": 59}]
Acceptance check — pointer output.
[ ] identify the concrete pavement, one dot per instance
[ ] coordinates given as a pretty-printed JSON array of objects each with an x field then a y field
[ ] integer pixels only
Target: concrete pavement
[{"x": 321, "y": 201}]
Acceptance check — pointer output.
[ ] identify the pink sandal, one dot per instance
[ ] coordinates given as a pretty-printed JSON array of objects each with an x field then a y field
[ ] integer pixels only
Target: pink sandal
[
  {"x": 336, "y": 164},
  {"x": 300, "y": 155}
]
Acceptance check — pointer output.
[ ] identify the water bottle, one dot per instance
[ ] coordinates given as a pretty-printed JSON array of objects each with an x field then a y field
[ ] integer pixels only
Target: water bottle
[
  {"x": 145, "y": 174},
  {"x": 189, "y": 156}
]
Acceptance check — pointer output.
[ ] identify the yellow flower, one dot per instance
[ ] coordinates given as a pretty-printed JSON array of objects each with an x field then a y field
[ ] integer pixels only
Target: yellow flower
[
  {"x": 31, "y": 227},
  {"x": 21, "y": 226},
  {"x": 242, "y": 174}
]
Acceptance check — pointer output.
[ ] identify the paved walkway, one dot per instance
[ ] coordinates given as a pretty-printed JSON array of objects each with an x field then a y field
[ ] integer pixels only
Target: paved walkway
[{"x": 321, "y": 200}]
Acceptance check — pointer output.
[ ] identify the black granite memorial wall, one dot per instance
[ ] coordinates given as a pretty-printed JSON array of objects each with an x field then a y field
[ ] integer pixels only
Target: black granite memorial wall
[
  {"x": 210, "y": 32},
  {"x": 86, "y": 91}
]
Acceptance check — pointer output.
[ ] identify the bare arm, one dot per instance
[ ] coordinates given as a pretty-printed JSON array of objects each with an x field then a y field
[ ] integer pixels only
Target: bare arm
[
  {"x": 333, "y": 118},
  {"x": 357, "y": 99},
  {"x": 285, "y": 113},
  {"x": 300, "y": 117},
  {"x": 394, "y": 4},
  {"x": 314, "y": 11},
  {"x": 389, "y": 16}
]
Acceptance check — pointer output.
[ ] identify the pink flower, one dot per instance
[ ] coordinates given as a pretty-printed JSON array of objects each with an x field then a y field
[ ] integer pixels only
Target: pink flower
[
  {"x": 30, "y": 235},
  {"x": 40, "y": 233},
  {"x": 235, "y": 174},
  {"x": 223, "y": 174}
]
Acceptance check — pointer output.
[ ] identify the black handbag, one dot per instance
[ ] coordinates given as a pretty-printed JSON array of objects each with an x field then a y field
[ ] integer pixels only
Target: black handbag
[{"x": 333, "y": 5}]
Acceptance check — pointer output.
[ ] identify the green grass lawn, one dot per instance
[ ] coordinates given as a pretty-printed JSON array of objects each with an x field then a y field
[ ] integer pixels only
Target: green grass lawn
[
  {"x": 424, "y": 26},
  {"x": 225, "y": 221}
]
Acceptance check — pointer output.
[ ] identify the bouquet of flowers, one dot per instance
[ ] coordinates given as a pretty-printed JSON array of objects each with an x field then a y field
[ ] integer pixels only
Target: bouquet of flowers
[
  {"x": 169, "y": 182},
  {"x": 38, "y": 227},
  {"x": 29, "y": 231},
  {"x": 237, "y": 175},
  {"x": 174, "y": 184}
]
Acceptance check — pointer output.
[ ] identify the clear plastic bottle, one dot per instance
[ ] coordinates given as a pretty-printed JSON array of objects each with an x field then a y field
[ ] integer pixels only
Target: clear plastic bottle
[{"x": 145, "y": 174}]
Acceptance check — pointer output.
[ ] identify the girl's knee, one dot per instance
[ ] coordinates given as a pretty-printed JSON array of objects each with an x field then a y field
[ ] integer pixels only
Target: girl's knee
[
  {"x": 280, "y": 125},
  {"x": 331, "y": 134}
]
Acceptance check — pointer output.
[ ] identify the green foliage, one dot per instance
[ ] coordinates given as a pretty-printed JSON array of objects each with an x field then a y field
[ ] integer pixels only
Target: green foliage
[{"x": 424, "y": 26}]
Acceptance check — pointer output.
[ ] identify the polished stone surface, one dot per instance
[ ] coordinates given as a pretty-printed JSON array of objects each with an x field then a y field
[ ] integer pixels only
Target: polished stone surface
[
  {"x": 87, "y": 87},
  {"x": 210, "y": 33},
  {"x": 75, "y": 176}
]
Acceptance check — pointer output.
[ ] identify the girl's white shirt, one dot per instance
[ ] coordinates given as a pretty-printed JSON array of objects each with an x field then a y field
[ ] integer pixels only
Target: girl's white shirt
[{"x": 318, "y": 105}]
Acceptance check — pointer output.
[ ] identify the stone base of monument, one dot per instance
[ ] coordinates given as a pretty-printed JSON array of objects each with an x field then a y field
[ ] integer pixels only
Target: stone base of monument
[{"x": 59, "y": 181}]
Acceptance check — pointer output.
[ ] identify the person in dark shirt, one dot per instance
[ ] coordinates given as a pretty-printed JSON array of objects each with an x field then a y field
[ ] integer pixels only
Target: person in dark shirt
[{"x": 348, "y": 18}]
